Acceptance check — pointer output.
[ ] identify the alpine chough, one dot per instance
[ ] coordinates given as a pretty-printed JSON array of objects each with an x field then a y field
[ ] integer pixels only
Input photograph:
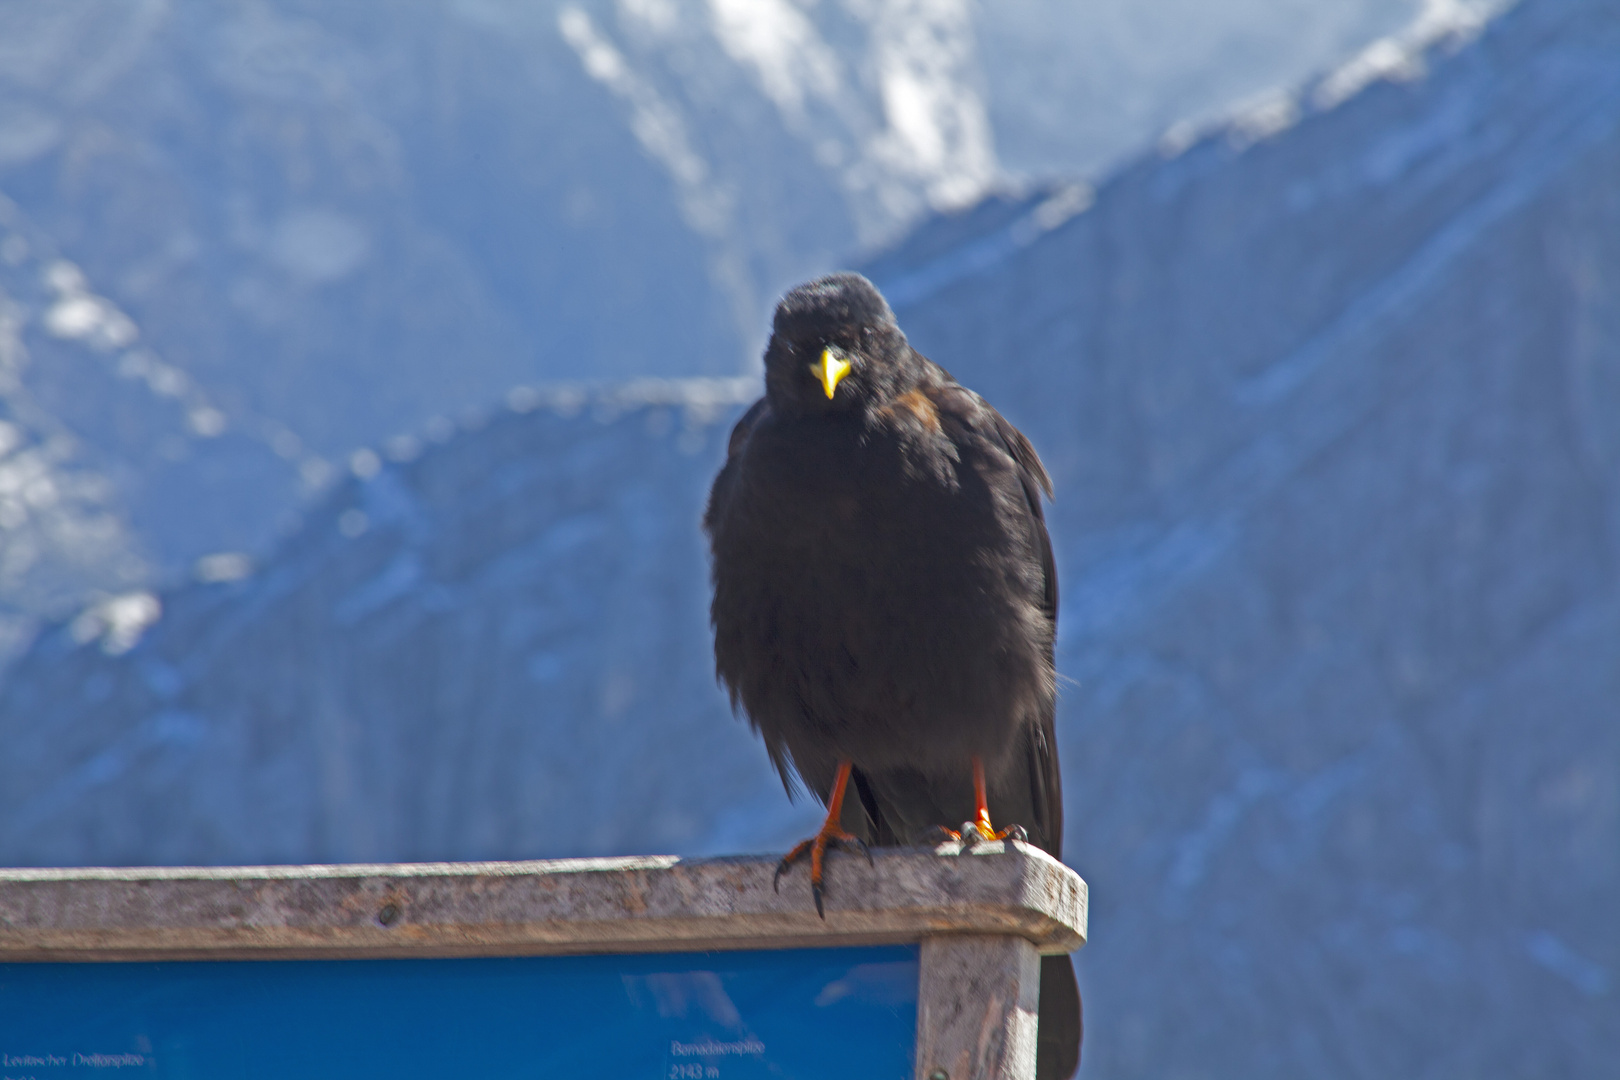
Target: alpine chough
[{"x": 885, "y": 600}]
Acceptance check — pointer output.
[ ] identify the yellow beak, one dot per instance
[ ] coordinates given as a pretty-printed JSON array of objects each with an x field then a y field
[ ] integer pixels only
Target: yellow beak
[{"x": 830, "y": 369}]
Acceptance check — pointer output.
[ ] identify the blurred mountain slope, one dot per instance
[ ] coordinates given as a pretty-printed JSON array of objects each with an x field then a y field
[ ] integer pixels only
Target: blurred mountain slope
[
  {"x": 1330, "y": 400},
  {"x": 499, "y": 646},
  {"x": 289, "y": 229}
]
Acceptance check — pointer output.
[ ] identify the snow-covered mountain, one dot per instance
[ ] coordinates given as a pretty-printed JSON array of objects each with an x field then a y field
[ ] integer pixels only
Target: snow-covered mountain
[
  {"x": 1329, "y": 393},
  {"x": 115, "y": 465},
  {"x": 241, "y": 240}
]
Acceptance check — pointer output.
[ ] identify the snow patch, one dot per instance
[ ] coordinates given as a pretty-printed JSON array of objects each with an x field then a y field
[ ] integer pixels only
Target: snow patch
[
  {"x": 1401, "y": 57},
  {"x": 781, "y": 47},
  {"x": 118, "y": 621}
]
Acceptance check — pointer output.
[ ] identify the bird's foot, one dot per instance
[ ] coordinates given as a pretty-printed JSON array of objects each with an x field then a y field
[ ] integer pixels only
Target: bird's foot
[
  {"x": 981, "y": 831},
  {"x": 973, "y": 833},
  {"x": 830, "y": 836}
]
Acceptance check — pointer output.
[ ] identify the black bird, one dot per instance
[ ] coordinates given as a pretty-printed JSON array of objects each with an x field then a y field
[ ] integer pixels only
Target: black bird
[{"x": 885, "y": 600}]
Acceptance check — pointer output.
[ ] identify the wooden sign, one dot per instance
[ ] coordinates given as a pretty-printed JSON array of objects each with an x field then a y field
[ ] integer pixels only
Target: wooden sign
[{"x": 657, "y": 968}]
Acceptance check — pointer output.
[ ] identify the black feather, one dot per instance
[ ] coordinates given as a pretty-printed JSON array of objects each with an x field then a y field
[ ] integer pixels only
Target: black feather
[{"x": 884, "y": 592}]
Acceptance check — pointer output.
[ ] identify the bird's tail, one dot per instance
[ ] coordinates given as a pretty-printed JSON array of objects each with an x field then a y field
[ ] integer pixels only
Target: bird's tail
[{"x": 1057, "y": 1040}]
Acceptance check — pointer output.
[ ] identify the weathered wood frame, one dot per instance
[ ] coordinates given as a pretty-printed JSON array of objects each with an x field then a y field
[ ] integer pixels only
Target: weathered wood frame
[{"x": 982, "y": 917}]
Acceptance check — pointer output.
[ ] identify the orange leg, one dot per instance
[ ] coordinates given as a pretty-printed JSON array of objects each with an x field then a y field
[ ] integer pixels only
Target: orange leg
[
  {"x": 832, "y": 834},
  {"x": 979, "y": 828},
  {"x": 981, "y": 810}
]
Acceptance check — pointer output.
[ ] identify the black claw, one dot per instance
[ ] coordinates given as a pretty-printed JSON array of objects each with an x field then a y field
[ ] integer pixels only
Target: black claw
[
  {"x": 861, "y": 844},
  {"x": 815, "y": 890},
  {"x": 970, "y": 835},
  {"x": 776, "y": 878},
  {"x": 935, "y": 835}
]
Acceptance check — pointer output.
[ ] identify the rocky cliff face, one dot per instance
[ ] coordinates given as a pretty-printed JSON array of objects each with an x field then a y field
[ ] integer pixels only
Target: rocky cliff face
[{"x": 1330, "y": 397}]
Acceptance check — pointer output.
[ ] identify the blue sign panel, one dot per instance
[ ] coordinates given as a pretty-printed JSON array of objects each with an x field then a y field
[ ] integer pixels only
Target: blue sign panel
[{"x": 849, "y": 1013}]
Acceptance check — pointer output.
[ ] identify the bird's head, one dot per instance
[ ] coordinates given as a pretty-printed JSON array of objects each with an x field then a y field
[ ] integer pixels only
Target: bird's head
[{"x": 835, "y": 347}]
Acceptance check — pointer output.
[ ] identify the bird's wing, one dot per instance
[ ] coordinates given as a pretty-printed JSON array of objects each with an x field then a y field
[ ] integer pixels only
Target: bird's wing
[
  {"x": 1035, "y": 480},
  {"x": 727, "y": 657},
  {"x": 976, "y": 414},
  {"x": 745, "y": 426},
  {"x": 722, "y": 483},
  {"x": 1046, "y": 782}
]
